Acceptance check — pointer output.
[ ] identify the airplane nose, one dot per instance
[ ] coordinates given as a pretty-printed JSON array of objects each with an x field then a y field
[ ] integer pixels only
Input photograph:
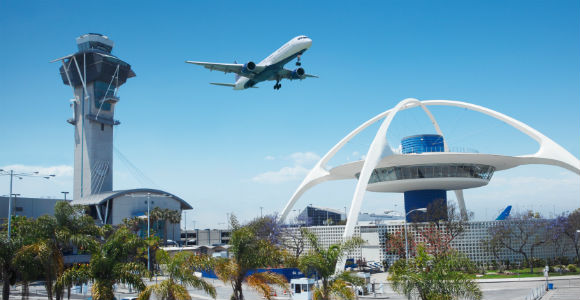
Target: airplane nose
[{"x": 308, "y": 43}]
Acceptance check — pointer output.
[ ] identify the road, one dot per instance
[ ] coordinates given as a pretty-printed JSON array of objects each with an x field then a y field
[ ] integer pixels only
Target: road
[{"x": 564, "y": 289}]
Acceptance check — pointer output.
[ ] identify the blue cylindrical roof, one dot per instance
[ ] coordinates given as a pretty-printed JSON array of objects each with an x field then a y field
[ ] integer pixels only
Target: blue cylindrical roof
[{"x": 422, "y": 143}]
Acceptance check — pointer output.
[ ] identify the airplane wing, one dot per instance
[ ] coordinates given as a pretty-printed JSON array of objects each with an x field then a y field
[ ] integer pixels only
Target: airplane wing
[
  {"x": 227, "y": 68},
  {"x": 287, "y": 74}
]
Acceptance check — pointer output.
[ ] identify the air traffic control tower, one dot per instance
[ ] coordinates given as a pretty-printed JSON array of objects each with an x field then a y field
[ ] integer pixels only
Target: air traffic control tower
[{"x": 94, "y": 75}]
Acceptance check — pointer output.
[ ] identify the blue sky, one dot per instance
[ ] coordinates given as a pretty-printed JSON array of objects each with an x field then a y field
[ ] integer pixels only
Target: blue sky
[{"x": 230, "y": 151}]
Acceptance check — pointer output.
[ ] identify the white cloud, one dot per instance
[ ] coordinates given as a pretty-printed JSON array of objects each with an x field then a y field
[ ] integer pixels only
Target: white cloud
[
  {"x": 304, "y": 158},
  {"x": 301, "y": 164},
  {"x": 269, "y": 157},
  {"x": 59, "y": 171},
  {"x": 37, "y": 186},
  {"x": 283, "y": 175}
]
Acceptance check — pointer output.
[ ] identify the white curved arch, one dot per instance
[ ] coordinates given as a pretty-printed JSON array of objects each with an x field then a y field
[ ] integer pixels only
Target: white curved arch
[
  {"x": 319, "y": 173},
  {"x": 548, "y": 153}
]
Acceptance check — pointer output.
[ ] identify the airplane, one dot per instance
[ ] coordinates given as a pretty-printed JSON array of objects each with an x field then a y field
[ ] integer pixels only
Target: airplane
[{"x": 271, "y": 68}]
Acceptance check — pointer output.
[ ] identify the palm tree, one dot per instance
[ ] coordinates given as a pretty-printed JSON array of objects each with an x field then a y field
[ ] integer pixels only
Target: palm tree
[
  {"x": 174, "y": 218},
  {"x": 25, "y": 266},
  {"x": 7, "y": 268},
  {"x": 48, "y": 237},
  {"x": 250, "y": 252},
  {"x": 179, "y": 268},
  {"x": 113, "y": 261},
  {"x": 45, "y": 251},
  {"x": 435, "y": 277},
  {"x": 134, "y": 224},
  {"x": 323, "y": 262}
]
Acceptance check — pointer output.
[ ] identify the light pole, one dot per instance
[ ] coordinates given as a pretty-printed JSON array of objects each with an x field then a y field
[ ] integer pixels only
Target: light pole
[
  {"x": 11, "y": 173},
  {"x": 64, "y": 193},
  {"x": 261, "y": 208},
  {"x": 407, "y": 243},
  {"x": 148, "y": 230}
]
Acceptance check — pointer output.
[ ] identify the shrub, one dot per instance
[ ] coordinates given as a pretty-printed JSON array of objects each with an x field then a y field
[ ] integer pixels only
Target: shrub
[{"x": 572, "y": 268}]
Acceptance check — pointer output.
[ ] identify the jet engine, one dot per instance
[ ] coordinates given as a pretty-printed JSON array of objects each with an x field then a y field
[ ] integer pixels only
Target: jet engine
[
  {"x": 248, "y": 67},
  {"x": 298, "y": 74}
]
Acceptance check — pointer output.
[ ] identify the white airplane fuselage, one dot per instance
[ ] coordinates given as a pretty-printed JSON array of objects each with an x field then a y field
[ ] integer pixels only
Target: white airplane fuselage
[{"x": 280, "y": 57}]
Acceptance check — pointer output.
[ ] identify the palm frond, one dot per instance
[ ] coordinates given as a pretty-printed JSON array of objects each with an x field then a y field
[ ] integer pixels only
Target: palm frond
[
  {"x": 261, "y": 282},
  {"x": 340, "y": 289}
]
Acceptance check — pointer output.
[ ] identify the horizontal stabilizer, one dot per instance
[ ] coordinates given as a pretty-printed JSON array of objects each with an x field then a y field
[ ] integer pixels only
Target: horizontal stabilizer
[{"x": 223, "y": 84}]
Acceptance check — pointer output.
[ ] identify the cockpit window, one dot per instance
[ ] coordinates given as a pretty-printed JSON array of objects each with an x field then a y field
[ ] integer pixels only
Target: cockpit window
[{"x": 302, "y": 37}]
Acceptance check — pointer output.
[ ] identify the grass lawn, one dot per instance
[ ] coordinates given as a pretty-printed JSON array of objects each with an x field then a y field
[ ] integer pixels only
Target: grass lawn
[{"x": 520, "y": 273}]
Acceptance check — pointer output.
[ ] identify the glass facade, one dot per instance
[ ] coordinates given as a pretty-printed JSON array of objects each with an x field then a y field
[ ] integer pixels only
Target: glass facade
[
  {"x": 431, "y": 171},
  {"x": 422, "y": 143},
  {"x": 102, "y": 91},
  {"x": 94, "y": 45}
]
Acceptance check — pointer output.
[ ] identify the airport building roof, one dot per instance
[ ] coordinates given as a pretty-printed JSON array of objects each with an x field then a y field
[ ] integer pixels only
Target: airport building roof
[{"x": 101, "y": 198}]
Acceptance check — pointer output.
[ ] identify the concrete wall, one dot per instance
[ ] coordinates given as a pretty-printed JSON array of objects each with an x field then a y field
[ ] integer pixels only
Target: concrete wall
[
  {"x": 28, "y": 207},
  {"x": 93, "y": 153}
]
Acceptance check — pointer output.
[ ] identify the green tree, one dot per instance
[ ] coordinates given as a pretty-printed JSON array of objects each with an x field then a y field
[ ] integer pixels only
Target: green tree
[
  {"x": 45, "y": 251},
  {"x": 47, "y": 237},
  {"x": 521, "y": 233},
  {"x": 323, "y": 262},
  {"x": 113, "y": 261},
  {"x": 7, "y": 268},
  {"x": 441, "y": 277},
  {"x": 179, "y": 268},
  {"x": 174, "y": 218},
  {"x": 164, "y": 216},
  {"x": 251, "y": 250},
  {"x": 573, "y": 225}
]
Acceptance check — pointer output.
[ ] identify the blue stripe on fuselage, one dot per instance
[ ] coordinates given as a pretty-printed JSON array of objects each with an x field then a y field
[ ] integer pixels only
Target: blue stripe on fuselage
[{"x": 271, "y": 70}]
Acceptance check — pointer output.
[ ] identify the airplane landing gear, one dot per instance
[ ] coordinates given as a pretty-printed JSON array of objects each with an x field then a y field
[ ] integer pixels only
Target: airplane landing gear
[
  {"x": 277, "y": 86},
  {"x": 298, "y": 63}
]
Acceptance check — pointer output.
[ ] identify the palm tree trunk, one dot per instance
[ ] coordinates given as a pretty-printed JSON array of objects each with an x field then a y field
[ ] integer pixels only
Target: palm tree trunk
[
  {"x": 165, "y": 232},
  {"x": 6, "y": 286},
  {"x": 59, "y": 292},
  {"x": 48, "y": 285},
  {"x": 238, "y": 294},
  {"x": 24, "y": 290}
]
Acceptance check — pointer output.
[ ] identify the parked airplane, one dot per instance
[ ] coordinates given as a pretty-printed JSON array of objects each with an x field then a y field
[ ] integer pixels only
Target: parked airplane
[{"x": 271, "y": 68}]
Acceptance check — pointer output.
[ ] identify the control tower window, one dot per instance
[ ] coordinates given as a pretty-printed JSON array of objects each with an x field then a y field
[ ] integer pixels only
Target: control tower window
[
  {"x": 93, "y": 45},
  {"x": 102, "y": 92}
]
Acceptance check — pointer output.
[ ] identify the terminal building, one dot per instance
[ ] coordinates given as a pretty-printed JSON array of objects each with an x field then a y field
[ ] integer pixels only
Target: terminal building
[
  {"x": 95, "y": 76},
  {"x": 319, "y": 216},
  {"x": 375, "y": 251},
  {"x": 424, "y": 170}
]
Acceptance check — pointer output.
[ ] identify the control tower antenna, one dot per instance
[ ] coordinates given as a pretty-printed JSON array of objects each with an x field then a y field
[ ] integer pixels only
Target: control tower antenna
[{"x": 94, "y": 75}]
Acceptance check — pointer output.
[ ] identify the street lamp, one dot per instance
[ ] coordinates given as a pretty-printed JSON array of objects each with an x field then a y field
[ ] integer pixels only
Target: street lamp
[
  {"x": 406, "y": 243},
  {"x": 148, "y": 230},
  {"x": 64, "y": 193},
  {"x": 11, "y": 173}
]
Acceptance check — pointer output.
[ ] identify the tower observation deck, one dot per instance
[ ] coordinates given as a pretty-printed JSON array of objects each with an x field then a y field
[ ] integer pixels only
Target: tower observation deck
[{"x": 94, "y": 75}]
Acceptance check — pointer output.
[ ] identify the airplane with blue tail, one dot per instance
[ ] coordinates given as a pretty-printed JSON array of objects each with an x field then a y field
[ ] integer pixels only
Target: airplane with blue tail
[{"x": 271, "y": 68}]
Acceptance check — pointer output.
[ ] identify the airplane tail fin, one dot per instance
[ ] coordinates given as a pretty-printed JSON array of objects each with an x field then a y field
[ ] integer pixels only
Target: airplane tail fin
[
  {"x": 223, "y": 84},
  {"x": 504, "y": 214}
]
